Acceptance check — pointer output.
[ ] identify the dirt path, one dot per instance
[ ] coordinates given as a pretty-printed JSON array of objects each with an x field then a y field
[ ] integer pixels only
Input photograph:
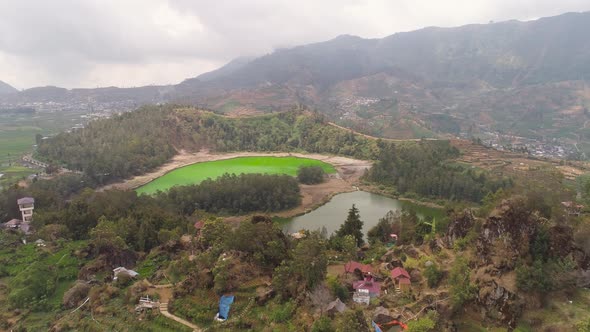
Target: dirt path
[
  {"x": 164, "y": 312},
  {"x": 165, "y": 294},
  {"x": 382, "y": 138},
  {"x": 348, "y": 173}
]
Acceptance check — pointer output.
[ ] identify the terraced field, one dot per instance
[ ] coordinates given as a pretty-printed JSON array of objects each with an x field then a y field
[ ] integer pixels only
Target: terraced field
[{"x": 195, "y": 173}]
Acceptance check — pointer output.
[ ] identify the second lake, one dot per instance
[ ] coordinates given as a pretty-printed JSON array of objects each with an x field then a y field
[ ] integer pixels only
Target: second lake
[{"x": 371, "y": 207}]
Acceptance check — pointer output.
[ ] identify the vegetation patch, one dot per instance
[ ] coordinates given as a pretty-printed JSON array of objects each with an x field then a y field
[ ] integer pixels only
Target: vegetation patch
[{"x": 196, "y": 173}]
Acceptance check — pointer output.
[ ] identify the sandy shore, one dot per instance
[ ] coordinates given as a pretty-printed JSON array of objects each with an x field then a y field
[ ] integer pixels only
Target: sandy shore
[{"x": 348, "y": 174}]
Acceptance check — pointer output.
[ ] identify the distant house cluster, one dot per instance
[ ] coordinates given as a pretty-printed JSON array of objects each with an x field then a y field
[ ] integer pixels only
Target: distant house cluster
[
  {"x": 368, "y": 287},
  {"x": 26, "y": 206}
]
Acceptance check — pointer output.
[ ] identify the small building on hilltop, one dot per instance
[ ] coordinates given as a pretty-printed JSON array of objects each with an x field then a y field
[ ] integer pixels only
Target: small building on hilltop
[
  {"x": 146, "y": 303},
  {"x": 362, "y": 296},
  {"x": 363, "y": 269},
  {"x": 366, "y": 287},
  {"x": 373, "y": 287},
  {"x": 26, "y": 206},
  {"x": 17, "y": 225},
  {"x": 401, "y": 279},
  {"x": 123, "y": 271},
  {"x": 335, "y": 307},
  {"x": 12, "y": 224}
]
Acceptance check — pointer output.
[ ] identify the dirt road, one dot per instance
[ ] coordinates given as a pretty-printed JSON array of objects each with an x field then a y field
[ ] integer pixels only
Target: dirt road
[{"x": 164, "y": 312}]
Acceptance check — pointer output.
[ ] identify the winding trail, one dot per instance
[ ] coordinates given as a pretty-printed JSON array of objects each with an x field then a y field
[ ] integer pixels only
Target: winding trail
[{"x": 164, "y": 311}]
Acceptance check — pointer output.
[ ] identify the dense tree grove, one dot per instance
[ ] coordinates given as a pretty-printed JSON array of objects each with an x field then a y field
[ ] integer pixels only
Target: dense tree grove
[
  {"x": 305, "y": 268},
  {"x": 422, "y": 169},
  {"x": 311, "y": 174},
  {"x": 232, "y": 193},
  {"x": 135, "y": 142},
  {"x": 353, "y": 225},
  {"x": 113, "y": 218},
  {"x": 125, "y": 145}
]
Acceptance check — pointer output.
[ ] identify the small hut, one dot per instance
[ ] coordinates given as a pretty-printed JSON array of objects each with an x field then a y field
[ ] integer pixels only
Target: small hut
[{"x": 401, "y": 279}]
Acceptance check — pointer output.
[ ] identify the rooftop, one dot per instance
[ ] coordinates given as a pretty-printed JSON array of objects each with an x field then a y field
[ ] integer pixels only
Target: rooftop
[
  {"x": 400, "y": 272},
  {"x": 372, "y": 287},
  {"x": 26, "y": 200},
  {"x": 352, "y": 265}
]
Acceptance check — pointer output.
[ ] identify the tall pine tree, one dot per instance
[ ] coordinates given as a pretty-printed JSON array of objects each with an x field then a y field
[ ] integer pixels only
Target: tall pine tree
[{"x": 352, "y": 226}]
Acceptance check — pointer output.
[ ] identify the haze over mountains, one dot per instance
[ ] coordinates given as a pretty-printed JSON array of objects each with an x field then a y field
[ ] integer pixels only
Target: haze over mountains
[
  {"x": 522, "y": 78},
  {"x": 5, "y": 88}
]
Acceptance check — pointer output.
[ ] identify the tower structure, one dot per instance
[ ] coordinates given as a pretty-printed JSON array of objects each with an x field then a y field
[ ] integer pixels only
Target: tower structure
[{"x": 26, "y": 206}]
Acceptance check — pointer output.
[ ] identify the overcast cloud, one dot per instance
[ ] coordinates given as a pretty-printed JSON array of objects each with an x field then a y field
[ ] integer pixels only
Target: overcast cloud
[{"x": 89, "y": 43}]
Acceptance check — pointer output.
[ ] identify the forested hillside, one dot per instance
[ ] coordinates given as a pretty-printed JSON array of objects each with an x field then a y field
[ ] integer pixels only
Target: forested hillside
[
  {"x": 135, "y": 142},
  {"x": 421, "y": 169}
]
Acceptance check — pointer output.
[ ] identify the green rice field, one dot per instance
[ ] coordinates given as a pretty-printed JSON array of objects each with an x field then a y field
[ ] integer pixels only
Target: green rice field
[{"x": 195, "y": 173}]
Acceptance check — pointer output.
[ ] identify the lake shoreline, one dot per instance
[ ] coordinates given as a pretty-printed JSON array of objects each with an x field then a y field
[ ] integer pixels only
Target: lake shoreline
[{"x": 372, "y": 207}]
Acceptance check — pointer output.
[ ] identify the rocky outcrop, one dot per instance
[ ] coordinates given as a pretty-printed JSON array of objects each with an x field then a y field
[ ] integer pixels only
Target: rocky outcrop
[
  {"x": 506, "y": 234},
  {"x": 76, "y": 294},
  {"x": 459, "y": 226},
  {"x": 263, "y": 295},
  {"x": 498, "y": 304}
]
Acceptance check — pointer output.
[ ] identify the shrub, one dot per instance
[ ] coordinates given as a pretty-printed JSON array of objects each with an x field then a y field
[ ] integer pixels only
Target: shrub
[
  {"x": 433, "y": 275},
  {"x": 337, "y": 289},
  {"x": 533, "y": 278},
  {"x": 461, "y": 289},
  {"x": 324, "y": 324},
  {"x": 283, "y": 312},
  {"x": 310, "y": 174},
  {"x": 424, "y": 324}
]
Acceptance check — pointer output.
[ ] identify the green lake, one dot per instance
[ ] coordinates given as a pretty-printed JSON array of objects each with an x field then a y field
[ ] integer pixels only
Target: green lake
[{"x": 371, "y": 207}]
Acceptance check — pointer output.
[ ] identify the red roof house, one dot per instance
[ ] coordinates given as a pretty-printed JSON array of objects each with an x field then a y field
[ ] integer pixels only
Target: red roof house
[
  {"x": 373, "y": 287},
  {"x": 401, "y": 278},
  {"x": 351, "y": 266},
  {"x": 199, "y": 225},
  {"x": 399, "y": 272}
]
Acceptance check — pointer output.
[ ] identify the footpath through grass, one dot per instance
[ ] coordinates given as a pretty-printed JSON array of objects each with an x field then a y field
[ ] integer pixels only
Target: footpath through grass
[{"x": 195, "y": 173}]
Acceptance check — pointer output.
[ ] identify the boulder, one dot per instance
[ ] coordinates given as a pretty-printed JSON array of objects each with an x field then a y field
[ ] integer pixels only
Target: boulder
[
  {"x": 335, "y": 307},
  {"x": 263, "y": 294},
  {"x": 382, "y": 316},
  {"x": 435, "y": 245},
  {"x": 76, "y": 294},
  {"x": 415, "y": 276},
  {"x": 411, "y": 251}
]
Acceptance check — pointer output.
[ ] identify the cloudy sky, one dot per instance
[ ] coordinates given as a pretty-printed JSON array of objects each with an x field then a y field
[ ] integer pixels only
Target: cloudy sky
[{"x": 90, "y": 43}]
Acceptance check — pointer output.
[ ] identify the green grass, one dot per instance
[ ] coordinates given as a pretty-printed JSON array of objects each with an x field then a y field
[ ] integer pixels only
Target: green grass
[
  {"x": 195, "y": 173},
  {"x": 15, "y": 142}
]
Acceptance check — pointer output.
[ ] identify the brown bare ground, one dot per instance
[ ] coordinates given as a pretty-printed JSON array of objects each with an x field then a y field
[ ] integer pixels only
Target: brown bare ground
[
  {"x": 511, "y": 163},
  {"x": 348, "y": 173}
]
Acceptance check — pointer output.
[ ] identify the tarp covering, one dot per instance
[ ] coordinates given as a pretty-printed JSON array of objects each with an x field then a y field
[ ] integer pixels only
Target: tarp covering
[
  {"x": 224, "y": 305},
  {"x": 376, "y": 327}
]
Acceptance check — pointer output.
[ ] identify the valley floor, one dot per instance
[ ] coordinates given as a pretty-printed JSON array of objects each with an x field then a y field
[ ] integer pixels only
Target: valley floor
[{"x": 348, "y": 173}]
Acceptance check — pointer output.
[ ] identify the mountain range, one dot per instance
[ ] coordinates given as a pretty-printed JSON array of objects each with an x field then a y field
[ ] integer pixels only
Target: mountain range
[
  {"x": 5, "y": 88},
  {"x": 518, "y": 78}
]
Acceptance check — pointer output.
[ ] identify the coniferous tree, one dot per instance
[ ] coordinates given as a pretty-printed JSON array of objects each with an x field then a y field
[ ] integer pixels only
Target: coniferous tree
[{"x": 352, "y": 226}]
